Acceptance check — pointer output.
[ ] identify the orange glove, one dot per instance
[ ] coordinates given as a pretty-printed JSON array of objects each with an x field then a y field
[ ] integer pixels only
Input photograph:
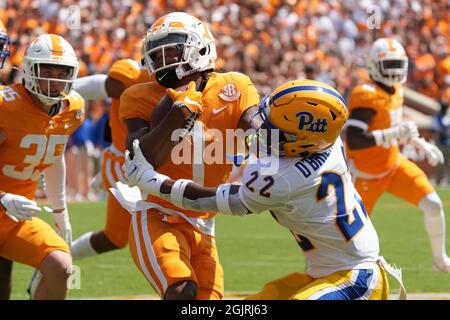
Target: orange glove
[{"x": 190, "y": 99}]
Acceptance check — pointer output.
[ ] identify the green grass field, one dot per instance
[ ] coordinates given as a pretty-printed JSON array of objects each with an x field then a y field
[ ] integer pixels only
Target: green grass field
[{"x": 254, "y": 250}]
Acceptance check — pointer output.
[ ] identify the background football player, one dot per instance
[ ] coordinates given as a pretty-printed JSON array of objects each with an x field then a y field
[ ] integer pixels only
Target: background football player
[
  {"x": 177, "y": 253},
  {"x": 5, "y": 264},
  {"x": 374, "y": 130},
  {"x": 123, "y": 74},
  {"x": 37, "y": 117},
  {"x": 311, "y": 195}
]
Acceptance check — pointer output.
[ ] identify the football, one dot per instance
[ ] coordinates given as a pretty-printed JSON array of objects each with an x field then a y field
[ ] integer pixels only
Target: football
[{"x": 161, "y": 110}]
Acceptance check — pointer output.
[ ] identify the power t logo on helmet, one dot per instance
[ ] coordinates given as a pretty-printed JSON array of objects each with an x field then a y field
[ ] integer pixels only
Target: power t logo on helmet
[
  {"x": 176, "y": 46},
  {"x": 387, "y": 62}
]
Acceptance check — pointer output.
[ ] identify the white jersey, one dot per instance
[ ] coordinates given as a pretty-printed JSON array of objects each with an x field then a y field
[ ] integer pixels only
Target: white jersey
[{"x": 315, "y": 199}]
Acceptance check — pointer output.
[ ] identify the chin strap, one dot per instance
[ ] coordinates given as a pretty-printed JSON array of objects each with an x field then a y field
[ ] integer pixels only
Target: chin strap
[{"x": 54, "y": 110}]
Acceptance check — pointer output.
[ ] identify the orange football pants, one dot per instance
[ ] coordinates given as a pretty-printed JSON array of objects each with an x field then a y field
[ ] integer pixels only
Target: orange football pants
[
  {"x": 28, "y": 242},
  {"x": 407, "y": 182},
  {"x": 170, "y": 252},
  {"x": 117, "y": 218}
]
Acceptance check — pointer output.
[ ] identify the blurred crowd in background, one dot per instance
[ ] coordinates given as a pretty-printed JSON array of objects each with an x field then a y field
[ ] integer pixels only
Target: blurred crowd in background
[{"x": 269, "y": 40}]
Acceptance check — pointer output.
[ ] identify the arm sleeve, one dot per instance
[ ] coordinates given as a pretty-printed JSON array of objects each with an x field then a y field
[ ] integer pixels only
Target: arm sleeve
[
  {"x": 92, "y": 87},
  {"x": 55, "y": 183}
]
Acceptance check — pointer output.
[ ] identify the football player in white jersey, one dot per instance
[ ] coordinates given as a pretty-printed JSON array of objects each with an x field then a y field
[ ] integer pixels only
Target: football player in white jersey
[{"x": 311, "y": 194}]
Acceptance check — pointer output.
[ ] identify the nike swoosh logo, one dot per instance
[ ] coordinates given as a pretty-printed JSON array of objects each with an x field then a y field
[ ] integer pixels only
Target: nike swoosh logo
[
  {"x": 216, "y": 111},
  {"x": 189, "y": 101},
  {"x": 153, "y": 179},
  {"x": 68, "y": 125}
]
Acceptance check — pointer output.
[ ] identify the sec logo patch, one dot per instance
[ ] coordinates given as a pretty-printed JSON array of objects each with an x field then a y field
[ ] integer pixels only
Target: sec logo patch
[{"x": 229, "y": 92}]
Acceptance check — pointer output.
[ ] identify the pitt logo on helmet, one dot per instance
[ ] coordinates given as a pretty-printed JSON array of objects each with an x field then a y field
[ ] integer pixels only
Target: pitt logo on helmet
[
  {"x": 306, "y": 120},
  {"x": 309, "y": 115}
]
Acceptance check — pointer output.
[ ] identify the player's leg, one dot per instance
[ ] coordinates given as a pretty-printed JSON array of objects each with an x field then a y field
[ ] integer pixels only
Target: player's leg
[
  {"x": 161, "y": 252},
  {"x": 5, "y": 278},
  {"x": 443, "y": 167},
  {"x": 36, "y": 244},
  {"x": 358, "y": 284},
  {"x": 115, "y": 234},
  {"x": 56, "y": 269},
  {"x": 371, "y": 190},
  {"x": 282, "y": 288},
  {"x": 208, "y": 270},
  {"x": 411, "y": 184}
]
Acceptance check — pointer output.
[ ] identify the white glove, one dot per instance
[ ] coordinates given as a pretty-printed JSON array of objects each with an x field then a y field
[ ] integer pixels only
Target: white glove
[
  {"x": 432, "y": 153},
  {"x": 18, "y": 207},
  {"x": 62, "y": 223},
  {"x": 140, "y": 172},
  {"x": 403, "y": 132},
  {"x": 407, "y": 130}
]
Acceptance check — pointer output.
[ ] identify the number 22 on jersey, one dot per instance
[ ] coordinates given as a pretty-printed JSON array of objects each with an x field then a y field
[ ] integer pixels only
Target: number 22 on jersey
[{"x": 348, "y": 223}]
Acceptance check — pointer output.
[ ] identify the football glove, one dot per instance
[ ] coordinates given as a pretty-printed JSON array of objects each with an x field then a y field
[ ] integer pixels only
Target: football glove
[
  {"x": 404, "y": 132},
  {"x": 191, "y": 105},
  {"x": 140, "y": 172},
  {"x": 190, "y": 99},
  {"x": 432, "y": 153},
  {"x": 18, "y": 207}
]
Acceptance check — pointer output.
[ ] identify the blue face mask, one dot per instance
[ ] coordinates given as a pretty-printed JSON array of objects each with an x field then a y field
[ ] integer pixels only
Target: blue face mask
[{"x": 4, "y": 49}]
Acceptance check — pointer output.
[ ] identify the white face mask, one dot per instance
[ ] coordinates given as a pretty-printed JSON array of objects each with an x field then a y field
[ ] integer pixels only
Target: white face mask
[{"x": 46, "y": 96}]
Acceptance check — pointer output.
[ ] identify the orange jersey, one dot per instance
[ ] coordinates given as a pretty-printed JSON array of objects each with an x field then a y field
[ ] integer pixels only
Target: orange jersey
[
  {"x": 225, "y": 98},
  {"x": 34, "y": 140},
  {"x": 377, "y": 160},
  {"x": 129, "y": 73}
]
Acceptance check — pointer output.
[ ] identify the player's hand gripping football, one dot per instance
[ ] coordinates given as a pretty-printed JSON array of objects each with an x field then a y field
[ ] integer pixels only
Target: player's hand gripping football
[{"x": 190, "y": 99}]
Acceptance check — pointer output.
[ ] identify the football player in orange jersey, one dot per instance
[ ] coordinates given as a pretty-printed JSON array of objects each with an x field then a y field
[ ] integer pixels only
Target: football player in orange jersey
[
  {"x": 123, "y": 74},
  {"x": 37, "y": 117},
  {"x": 374, "y": 130},
  {"x": 177, "y": 253},
  {"x": 5, "y": 264}
]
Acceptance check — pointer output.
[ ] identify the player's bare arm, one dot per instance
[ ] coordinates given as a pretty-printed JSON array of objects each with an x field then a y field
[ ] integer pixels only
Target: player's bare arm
[
  {"x": 357, "y": 135},
  {"x": 99, "y": 87},
  {"x": 248, "y": 120},
  {"x": 114, "y": 87}
]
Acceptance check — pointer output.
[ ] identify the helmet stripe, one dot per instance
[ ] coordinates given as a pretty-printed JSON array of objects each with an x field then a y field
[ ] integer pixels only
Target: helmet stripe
[
  {"x": 57, "y": 48},
  {"x": 307, "y": 88}
]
